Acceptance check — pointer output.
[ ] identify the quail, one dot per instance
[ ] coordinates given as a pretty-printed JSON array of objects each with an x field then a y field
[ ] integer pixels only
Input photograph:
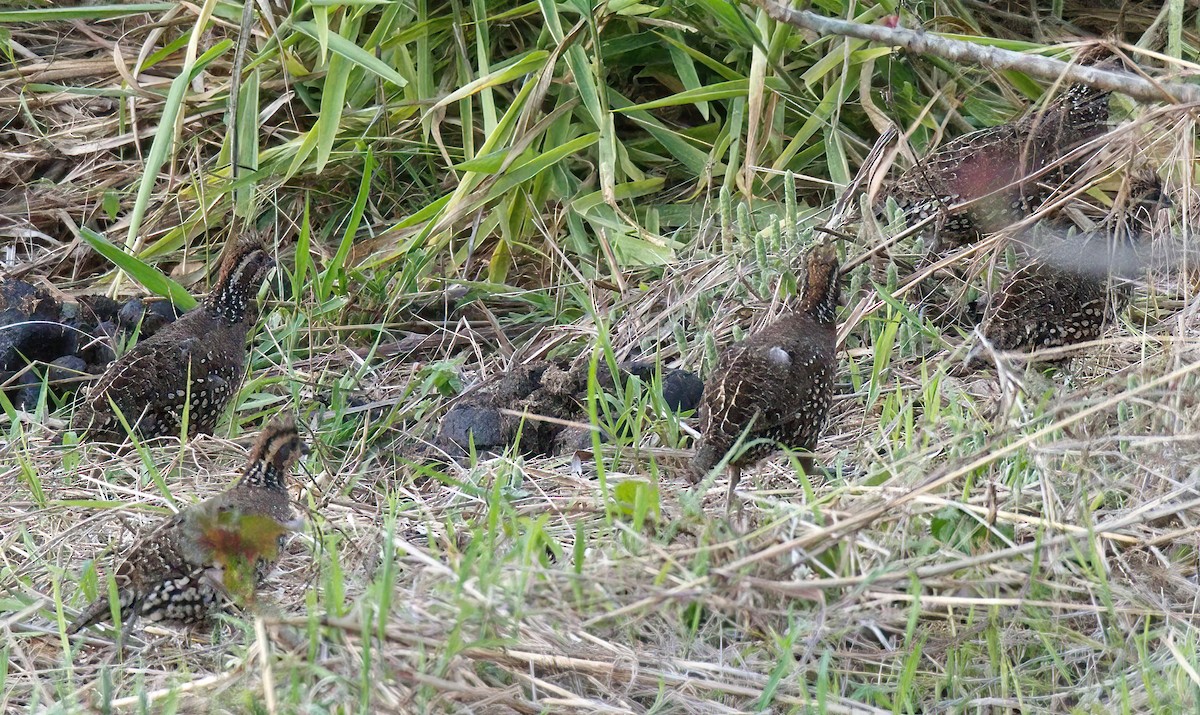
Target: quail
[
  {"x": 196, "y": 362},
  {"x": 776, "y": 386},
  {"x": 987, "y": 179},
  {"x": 178, "y": 572},
  {"x": 1070, "y": 287}
]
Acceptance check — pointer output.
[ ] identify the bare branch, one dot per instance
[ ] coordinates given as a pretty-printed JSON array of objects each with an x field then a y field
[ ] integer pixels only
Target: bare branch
[{"x": 923, "y": 43}]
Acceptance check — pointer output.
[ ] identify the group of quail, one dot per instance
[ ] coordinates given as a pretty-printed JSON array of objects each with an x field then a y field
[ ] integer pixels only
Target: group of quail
[
  {"x": 189, "y": 372},
  {"x": 773, "y": 389}
]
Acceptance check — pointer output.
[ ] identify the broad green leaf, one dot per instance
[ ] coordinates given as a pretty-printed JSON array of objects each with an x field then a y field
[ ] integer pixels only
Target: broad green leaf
[
  {"x": 93, "y": 12},
  {"x": 529, "y": 63},
  {"x": 247, "y": 145},
  {"x": 709, "y": 93},
  {"x": 339, "y": 45},
  {"x": 335, "y": 269},
  {"x": 151, "y": 278}
]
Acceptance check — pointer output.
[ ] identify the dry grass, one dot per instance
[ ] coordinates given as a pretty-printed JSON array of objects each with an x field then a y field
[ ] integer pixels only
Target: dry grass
[{"x": 1021, "y": 542}]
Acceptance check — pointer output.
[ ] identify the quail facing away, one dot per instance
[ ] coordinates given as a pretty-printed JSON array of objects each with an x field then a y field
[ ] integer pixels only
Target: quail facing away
[
  {"x": 987, "y": 179},
  {"x": 179, "y": 571},
  {"x": 1071, "y": 287},
  {"x": 776, "y": 386},
  {"x": 197, "y": 361}
]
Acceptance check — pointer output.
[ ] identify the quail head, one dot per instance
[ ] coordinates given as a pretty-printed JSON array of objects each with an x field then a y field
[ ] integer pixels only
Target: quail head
[
  {"x": 194, "y": 365},
  {"x": 195, "y": 561},
  {"x": 776, "y": 386}
]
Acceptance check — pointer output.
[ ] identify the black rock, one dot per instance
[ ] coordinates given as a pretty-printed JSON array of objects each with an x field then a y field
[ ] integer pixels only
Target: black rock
[
  {"x": 28, "y": 388},
  {"x": 466, "y": 423},
  {"x": 131, "y": 313},
  {"x": 556, "y": 389},
  {"x": 29, "y": 326},
  {"x": 66, "y": 368},
  {"x": 682, "y": 390},
  {"x": 164, "y": 309},
  {"x": 151, "y": 316},
  {"x": 93, "y": 309},
  {"x": 106, "y": 329},
  {"x": 98, "y": 350}
]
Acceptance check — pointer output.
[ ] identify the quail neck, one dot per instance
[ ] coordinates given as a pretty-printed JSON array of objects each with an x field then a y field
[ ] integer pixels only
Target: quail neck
[
  {"x": 274, "y": 454},
  {"x": 822, "y": 287},
  {"x": 237, "y": 283}
]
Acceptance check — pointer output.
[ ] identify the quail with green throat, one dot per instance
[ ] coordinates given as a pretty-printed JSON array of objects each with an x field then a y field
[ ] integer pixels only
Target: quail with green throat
[{"x": 187, "y": 566}]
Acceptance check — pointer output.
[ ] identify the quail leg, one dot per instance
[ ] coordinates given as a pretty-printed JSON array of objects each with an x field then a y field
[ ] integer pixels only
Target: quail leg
[
  {"x": 123, "y": 635},
  {"x": 735, "y": 475}
]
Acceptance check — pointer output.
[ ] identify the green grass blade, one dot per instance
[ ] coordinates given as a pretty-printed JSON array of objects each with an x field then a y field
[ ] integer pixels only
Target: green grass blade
[
  {"x": 355, "y": 55},
  {"x": 150, "y": 278},
  {"x": 94, "y": 12},
  {"x": 164, "y": 137}
]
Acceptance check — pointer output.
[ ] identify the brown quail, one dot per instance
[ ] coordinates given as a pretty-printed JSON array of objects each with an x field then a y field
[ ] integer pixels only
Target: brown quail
[
  {"x": 776, "y": 386},
  {"x": 197, "y": 361},
  {"x": 982, "y": 181},
  {"x": 1070, "y": 287},
  {"x": 178, "y": 571}
]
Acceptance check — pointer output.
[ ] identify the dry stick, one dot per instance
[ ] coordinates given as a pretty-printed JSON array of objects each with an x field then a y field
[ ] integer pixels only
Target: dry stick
[{"x": 923, "y": 43}]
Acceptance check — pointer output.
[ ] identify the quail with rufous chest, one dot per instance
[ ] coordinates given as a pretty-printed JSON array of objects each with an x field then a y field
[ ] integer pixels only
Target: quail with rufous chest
[{"x": 987, "y": 179}]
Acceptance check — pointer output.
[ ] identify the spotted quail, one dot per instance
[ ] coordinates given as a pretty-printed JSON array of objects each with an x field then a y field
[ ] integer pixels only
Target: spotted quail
[
  {"x": 987, "y": 179},
  {"x": 776, "y": 386},
  {"x": 177, "y": 572},
  {"x": 1070, "y": 287},
  {"x": 197, "y": 361}
]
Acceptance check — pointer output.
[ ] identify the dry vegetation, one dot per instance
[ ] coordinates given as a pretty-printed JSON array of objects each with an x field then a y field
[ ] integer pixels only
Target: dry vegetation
[{"x": 453, "y": 188}]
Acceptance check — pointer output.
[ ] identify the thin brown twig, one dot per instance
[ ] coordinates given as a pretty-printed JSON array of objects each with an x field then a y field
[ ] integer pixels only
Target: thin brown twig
[{"x": 924, "y": 43}]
